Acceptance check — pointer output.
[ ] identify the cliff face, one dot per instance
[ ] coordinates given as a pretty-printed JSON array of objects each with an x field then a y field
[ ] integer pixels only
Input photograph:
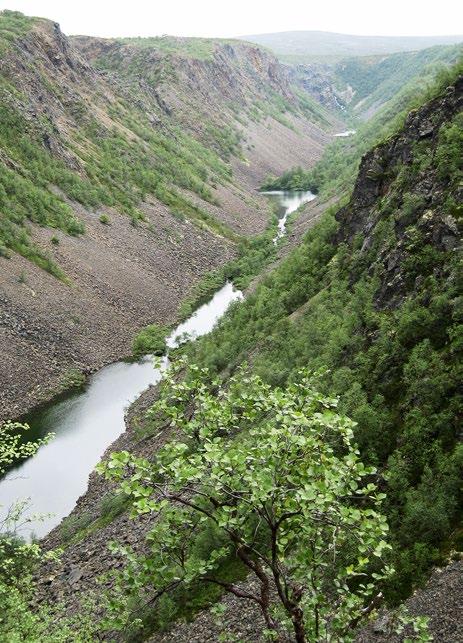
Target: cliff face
[
  {"x": 407, "y": 181},
  {"x": 319, "y": 81},
  {"x": 126, "y": 186}
]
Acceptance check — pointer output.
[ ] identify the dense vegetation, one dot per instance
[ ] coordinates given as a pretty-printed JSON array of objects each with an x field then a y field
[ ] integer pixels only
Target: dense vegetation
[
  {"x": 397, "y": 369},
  {"x": 375, "y": 80},
  {"x": 151, "y": 340},
  {"x": 225, "y": 507},
  {"x": 289, "y": 482},
  {"x": 267, "y": 475}
]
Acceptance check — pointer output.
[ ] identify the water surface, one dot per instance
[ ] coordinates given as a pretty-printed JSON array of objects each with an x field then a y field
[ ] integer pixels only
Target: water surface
[
  {"x": 86, "y": 422},
  {"x": 348, "y": 132},
  {"x": 288, "y": 201}
]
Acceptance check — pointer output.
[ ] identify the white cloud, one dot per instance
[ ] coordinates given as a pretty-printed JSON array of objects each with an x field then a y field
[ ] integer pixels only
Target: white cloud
[{"x": 238, "y": 17}]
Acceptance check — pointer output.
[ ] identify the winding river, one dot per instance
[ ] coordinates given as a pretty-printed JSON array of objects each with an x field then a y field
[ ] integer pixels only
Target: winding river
[
  {"x": 86, "y": 422},
  {"x": 287, "y": 202}
]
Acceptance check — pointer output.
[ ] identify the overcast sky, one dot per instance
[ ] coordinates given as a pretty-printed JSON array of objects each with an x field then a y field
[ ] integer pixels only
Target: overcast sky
[{"x": 239, "y": 17}]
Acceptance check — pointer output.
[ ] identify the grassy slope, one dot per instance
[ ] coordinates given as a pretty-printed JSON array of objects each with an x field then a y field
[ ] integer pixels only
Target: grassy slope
[
  {"x": 198, "y": 48},
  {"x": 121, "y": 164},
  {"x": 376, "y": 80}
]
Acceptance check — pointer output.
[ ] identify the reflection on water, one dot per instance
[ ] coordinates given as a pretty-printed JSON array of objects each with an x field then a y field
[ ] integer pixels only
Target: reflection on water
[
  {"x": 288, "y": 202},
  {"x": 86, "y": 423}
]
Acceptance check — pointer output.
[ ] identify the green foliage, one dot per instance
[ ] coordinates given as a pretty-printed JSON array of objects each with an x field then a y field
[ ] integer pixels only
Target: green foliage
[
  {"x": 113, "y": 505},
  {"x": 151, "y": 340},
  {"x": 253, "y": 255},
  {"x": 19, "y": 621},
  {"x": 120, "y": 166},
  {"x": 25, "y": 195},
  {"x": 12, "y": 447},
  {"x": 450, "y": 151},
  {"x": 72, "y": 525},
  {"x": 198, "y": 48},
  {"x": 336, "y": 171},
  {"x": 274, "y": 476},
  {"x": 397, "y": 369},
  {"x": 72, "y": 379},
  {"x": 13, "y": 25},
  {"x": 294, "y": 179}
]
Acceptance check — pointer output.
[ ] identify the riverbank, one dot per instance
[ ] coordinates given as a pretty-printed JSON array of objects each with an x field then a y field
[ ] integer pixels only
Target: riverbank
[
  {"x": 99, "y": 515},
  {"x": 123, "y": 278}
]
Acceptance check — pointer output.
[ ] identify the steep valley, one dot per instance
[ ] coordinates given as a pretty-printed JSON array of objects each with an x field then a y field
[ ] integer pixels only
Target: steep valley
[
  {"x": 311, "y": 311},
  {"x": 158, "y": 160},
  {"x": 293, "y": 474}
]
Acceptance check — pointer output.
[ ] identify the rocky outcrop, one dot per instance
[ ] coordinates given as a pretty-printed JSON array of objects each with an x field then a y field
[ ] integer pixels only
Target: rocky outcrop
[
  {"x": 417, "y": 205},
  {"x": 318, "y": 80},
  {"x": 230, "y": 86}
]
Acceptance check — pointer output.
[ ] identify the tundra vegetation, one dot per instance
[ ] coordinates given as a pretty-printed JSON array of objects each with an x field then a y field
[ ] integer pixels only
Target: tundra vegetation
[
  {"x": 273, "y": 478},
  {"x": 151, "y": 340}
]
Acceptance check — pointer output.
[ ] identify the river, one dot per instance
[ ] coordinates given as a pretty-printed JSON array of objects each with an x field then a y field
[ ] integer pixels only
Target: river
[
  {"x": 287, "y": 203},
  {"x": 347, "y": 133},
  {"x": 86, "y": 422}
]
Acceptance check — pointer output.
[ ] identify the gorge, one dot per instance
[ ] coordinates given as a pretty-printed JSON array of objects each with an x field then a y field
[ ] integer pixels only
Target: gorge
[{"x": 299, "y": 218}]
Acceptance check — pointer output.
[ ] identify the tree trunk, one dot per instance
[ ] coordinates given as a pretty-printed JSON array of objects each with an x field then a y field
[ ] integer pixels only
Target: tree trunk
[{"x": 297, "y": 617}]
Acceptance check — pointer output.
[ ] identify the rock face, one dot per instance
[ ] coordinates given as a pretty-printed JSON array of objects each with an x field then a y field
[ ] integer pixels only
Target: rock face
[
  {"x": 121, "y": 276},
  {"x": 224, "y": 85},
  {"x": 418, "y": 207},
  {"x": 318, "y": 80}
]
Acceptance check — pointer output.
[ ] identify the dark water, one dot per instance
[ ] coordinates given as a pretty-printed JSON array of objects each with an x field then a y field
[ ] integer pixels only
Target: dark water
[{"x": 85, "y": 423}]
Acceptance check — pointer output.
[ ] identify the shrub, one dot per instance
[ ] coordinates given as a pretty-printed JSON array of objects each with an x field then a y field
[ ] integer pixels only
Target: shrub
[{"x": 151, "y": 340}]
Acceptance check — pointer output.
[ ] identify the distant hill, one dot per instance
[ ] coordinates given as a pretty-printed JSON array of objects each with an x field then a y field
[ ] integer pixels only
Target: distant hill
[
  {"x": 376, "y": 79},
  {"x": 302, "y": 46}
]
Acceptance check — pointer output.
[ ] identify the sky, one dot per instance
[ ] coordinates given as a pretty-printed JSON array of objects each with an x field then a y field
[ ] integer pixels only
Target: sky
[{"x": 218, "y": 18}]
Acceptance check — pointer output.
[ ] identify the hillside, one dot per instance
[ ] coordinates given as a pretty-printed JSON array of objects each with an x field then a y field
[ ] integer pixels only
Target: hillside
[
  {"x": 374, "y": 81},
  {"x": 291, "y": 468},
  {"x": 304, "y": 46},
  {"x": 373, "y": 295},
  {"x": 120, "y": 188},
  {"x": 374, "y": 117}
]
